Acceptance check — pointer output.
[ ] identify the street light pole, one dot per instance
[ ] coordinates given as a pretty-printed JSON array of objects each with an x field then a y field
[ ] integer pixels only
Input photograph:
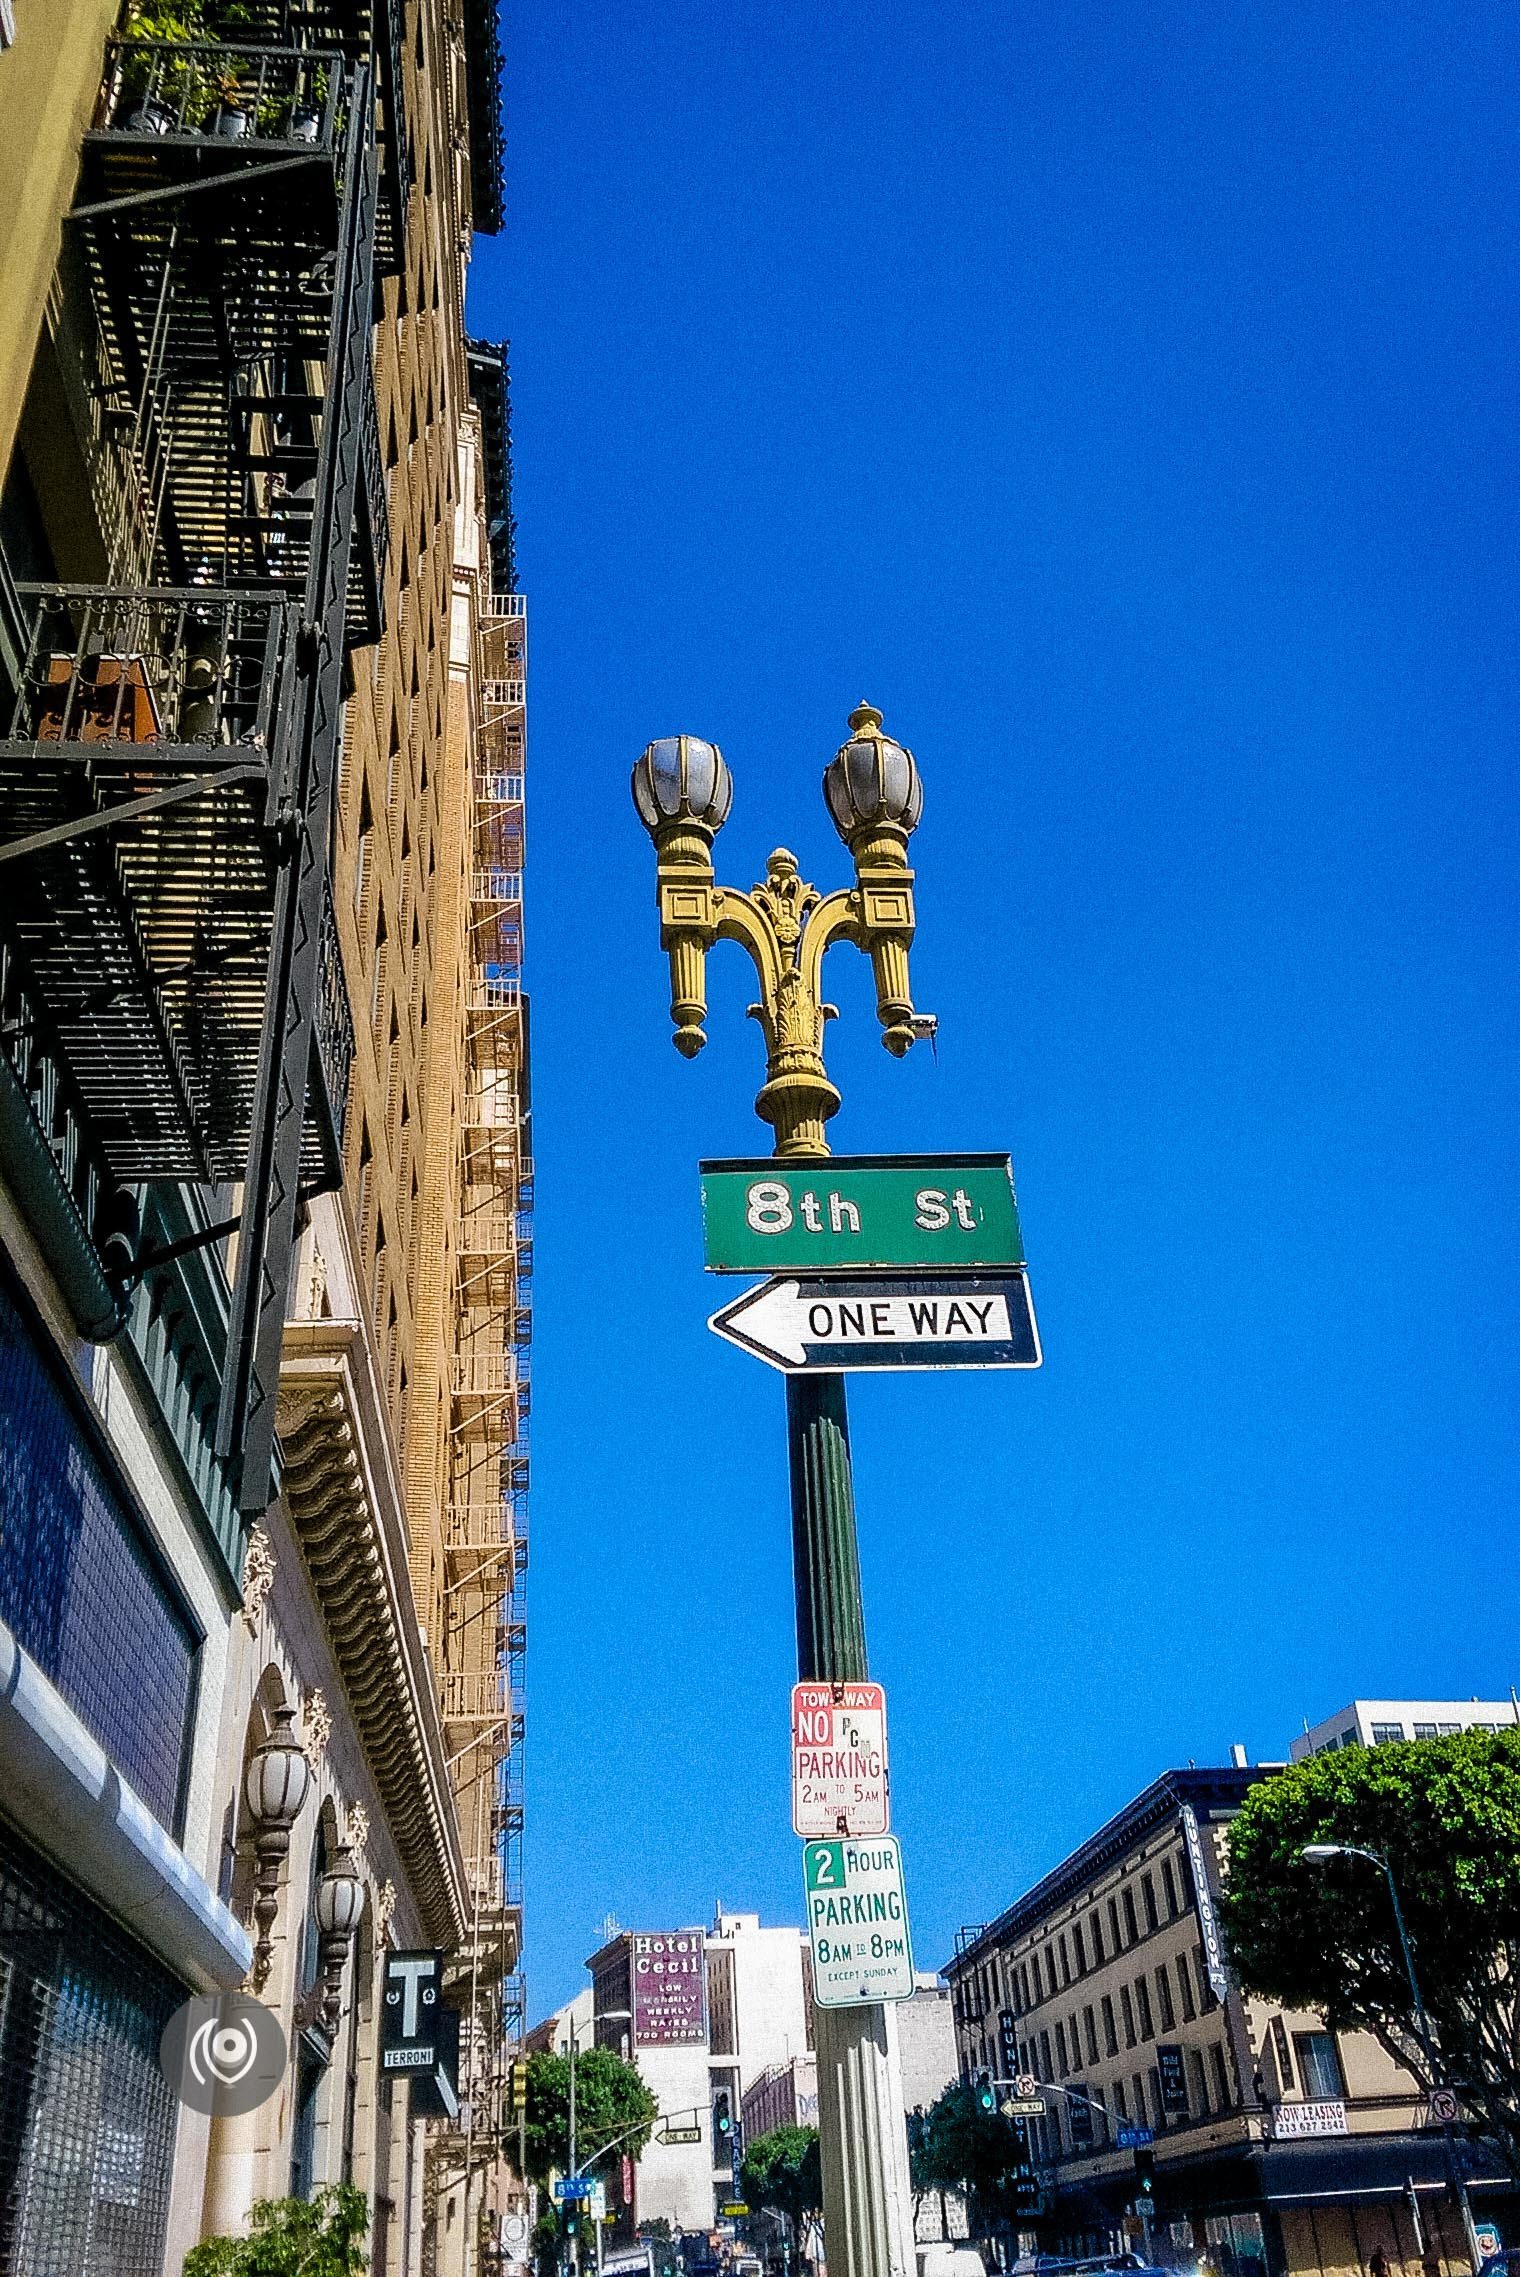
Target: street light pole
[
  {"x": 1318, "y": 1853},
  {"x": 682, "y": 790}
]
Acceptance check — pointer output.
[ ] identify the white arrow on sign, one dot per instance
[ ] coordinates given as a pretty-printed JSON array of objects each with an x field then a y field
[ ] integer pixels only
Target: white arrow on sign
[{"x": 968, "y": 1320}]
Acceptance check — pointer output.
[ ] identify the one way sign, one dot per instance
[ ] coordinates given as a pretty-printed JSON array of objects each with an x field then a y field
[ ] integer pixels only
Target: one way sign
[{"x": 828, "y": 1324}]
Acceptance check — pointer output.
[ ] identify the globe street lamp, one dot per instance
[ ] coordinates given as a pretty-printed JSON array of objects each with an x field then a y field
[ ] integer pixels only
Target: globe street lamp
[
  {"x": 1321, "y": 1854},
  {"x": 682, "y": 791}
]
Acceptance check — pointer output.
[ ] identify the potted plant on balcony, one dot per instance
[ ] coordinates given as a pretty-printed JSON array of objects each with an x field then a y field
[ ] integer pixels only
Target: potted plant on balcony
[{"x": 163, "y": 91}]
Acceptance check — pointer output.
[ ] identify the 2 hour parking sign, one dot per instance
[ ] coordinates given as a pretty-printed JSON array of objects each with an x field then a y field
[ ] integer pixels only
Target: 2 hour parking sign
[{"x": 857, "y": 1922}]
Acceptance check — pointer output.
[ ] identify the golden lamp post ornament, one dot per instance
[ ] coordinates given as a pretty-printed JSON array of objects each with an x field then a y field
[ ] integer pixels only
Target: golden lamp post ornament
[{"x": 682, "y": 789}]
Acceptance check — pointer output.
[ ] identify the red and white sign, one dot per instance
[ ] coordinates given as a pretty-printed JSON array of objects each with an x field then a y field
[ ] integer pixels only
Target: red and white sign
[{"x": 839, "y": 1760}]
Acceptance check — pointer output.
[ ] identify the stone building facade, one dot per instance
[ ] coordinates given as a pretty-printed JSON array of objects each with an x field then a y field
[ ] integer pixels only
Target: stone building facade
[
  {"x": 1278, "y": 2145},
  {"x": 265, "y": 1146}
]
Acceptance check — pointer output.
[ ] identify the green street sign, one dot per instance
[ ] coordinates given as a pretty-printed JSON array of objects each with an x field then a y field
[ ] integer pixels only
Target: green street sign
[
  {"x": 852, "y": 1212},
  {"x": 857, "y": 1921}
]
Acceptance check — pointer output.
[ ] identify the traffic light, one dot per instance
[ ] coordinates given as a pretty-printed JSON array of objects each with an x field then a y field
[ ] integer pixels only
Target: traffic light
[
  {"x": 986, "y": 2093},
  {"x": 723, "y": 2116},
  {"x": 571, "y": 2219},
  {"x": 517, "y": 2088},
  {"x": 1145, "y": 2172}
]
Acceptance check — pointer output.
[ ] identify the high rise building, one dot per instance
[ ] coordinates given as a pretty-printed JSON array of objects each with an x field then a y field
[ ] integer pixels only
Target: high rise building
[
  {"x": 1374, "y": 1723},
  {"x": 265, "y": 1145},
  {"x": 704, "y": 2014}
]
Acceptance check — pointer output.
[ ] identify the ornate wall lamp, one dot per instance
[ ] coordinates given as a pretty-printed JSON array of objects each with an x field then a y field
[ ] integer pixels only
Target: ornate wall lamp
[
  {"x": 275, "y": 1786},
  {"x": 339, "y": 1908},
  {"x": 683, "y": 790}
]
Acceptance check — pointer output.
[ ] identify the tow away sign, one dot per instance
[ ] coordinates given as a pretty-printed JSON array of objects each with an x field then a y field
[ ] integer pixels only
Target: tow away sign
[
  {"x": 839, "y": 1759},
  {"x": 857, "y": 1922},
  {"x": 828, "y": 1324}
]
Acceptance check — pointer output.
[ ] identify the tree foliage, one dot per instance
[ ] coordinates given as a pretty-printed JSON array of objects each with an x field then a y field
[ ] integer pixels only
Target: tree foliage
[
  {"x": 959, "y": 2146},
  {"x": 782, "y": 2170},
  {"x": 320, "y": 2236},
  {"x": 611, "y": 2100},
  {"x": 1446, "y": 1815}
]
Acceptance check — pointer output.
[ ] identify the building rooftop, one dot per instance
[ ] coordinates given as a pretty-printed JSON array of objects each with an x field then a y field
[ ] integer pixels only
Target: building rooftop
[{"x": 1218, "y": 1789}]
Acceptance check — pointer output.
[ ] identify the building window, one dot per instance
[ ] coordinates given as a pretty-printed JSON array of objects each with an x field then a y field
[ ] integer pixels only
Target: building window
[
  {"x": 80, "y": 1585},
  {"x": 1143, "y": 2002},
  {"x": 1200, "y": 2082},
  {"x": 1131, "y": 1932},
  {"x": 1382, "y": 1734},
  {"x": 1425, "y": 1731},
  {"x": 1319, "y": 2067},
  {"x": 1121, "y": 2107},
  {"x": 1447, "y": 1731},
  {"x": 1061, "y": 2063},
  {"x": 1127, "y": 2009},
  {"x": 1139, "y": 2087},
  {"x": 1115, "y": 1941},
  {"x": 1045, "y": 2070},
  {"x": 1169, "y": 1885},
  {"x": 1207, "y": 1997},
  {"x": 1078, "y": 1948},
  {"x": 87, "y": 2119},
  {"x": 1222, "y": 2076},
  {"x": 1148, "y": 1896},
  {"x": 1100, "y": 2114},
  {"x": 1090, "y": 2027},
  {"x": 1164, "y": 1998},
  {"x": 1110, "y": 2036},
  {"x": 1065, "y": 1960},
  {"x": 1095, "y": 1926}
]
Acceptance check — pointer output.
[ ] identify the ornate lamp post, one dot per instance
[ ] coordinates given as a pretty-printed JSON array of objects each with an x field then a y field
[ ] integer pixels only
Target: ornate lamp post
[
  {"x": 339, "y": 1907},
  {"x": 275, "y": 1786},
  {"x": 682, "y": 790}
]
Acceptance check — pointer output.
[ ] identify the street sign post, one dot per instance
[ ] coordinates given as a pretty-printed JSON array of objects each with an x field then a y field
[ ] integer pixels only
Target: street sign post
[
  {"x": 857, "y": 1922},
  {"x": 830, "y": 1325},
  {"x": 679, "y": 2135},
  {"x": 570, "y": 2188},
  {"x": 839, "y": 1759},
  {"x": 843, "y": 1213},
  {"x": 734, "y": 2210},
  {"x": 1134, "y": 2138},
  {"x": 1023, "y": 2106}
]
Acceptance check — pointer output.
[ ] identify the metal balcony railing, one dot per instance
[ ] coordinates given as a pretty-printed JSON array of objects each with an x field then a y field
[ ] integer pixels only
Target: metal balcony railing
[
  {"x": 218, "y": 93},
  {"x": 498, "y": 885},
  {"x": 499, "y": 788},
  {"x": 142, "y": 761},
  {"x": 485, "y": 1375},
  {"x": 219, "y": 182},
  {"x": 478, "y": 1696},
  {"x": 487, "y": 1233},
  {"x": 478, "y": 1529}
]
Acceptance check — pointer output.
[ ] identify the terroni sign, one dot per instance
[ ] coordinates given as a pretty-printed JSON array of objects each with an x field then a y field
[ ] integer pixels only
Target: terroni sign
[
  {"x": 839, "y": 1759},
  {"x": 854, "y": 1212},
  {"x": 857, "y": 1922}
]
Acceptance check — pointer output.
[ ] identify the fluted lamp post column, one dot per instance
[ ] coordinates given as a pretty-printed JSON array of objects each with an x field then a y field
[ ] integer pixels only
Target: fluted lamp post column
[{"x": 682, "y": 790}]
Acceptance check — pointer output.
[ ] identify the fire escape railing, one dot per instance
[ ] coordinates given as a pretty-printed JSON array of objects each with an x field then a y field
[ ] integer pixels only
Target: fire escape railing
[{"x": 169, "y": 752}]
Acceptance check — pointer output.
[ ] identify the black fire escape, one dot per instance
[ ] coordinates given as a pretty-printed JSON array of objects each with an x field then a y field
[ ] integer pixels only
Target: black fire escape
[{"x": 168, "y": 955}]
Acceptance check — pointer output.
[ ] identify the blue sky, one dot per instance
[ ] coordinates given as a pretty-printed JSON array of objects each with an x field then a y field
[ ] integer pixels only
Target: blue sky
[{"x": 1122, "y": 400}]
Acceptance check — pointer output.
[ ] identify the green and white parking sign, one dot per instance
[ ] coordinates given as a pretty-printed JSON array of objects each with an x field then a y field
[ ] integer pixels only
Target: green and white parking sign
[{"x": 857, "y": 1921}]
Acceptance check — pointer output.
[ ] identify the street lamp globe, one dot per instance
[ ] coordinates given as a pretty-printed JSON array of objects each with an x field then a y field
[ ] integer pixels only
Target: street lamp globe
[
  {"x": 680, "y": 778},
  {"x": 339, "y": 1902},
  {"x": 871, "y": 781}
]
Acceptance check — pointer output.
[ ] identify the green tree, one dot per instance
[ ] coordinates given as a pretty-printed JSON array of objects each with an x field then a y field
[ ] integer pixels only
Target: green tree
[
  {"x": 782, "y": 2170},
  {"x": 1445, "y": 1813},
  {"x": 956, "y": 2145},
  {"x": 320, "y": 2236},
  {"x": 611, "y": 2101}
]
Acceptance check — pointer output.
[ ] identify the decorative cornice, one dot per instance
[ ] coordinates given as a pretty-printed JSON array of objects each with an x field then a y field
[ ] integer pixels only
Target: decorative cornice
[{"x": 339, "y": 1482}]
